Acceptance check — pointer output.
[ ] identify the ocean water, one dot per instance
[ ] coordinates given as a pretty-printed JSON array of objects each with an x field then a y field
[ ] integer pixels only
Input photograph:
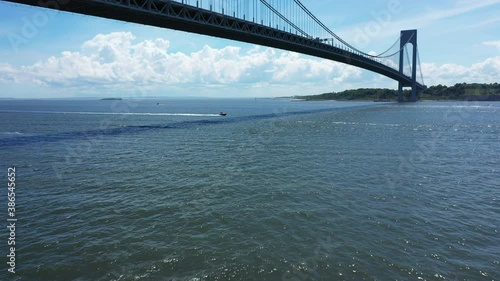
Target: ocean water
[{"x": 276, "y": 190}]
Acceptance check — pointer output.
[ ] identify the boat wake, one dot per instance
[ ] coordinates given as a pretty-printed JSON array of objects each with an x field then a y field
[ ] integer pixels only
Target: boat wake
[{"x": 116, "y": 113}]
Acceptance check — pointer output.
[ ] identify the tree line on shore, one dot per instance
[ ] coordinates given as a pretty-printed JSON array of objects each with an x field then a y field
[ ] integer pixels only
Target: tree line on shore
[{"x": 460, "y": 91}]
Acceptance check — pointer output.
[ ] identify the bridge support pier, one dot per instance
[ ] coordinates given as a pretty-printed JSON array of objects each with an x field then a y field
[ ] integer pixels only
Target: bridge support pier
[{"x": 408, "y": 36}]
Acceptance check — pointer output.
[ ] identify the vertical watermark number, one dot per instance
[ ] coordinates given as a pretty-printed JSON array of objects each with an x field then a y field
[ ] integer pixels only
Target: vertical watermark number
[{"x": 11, "y": 219}]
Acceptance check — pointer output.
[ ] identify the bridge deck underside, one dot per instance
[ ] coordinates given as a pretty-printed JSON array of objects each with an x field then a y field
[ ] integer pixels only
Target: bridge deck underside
[{"x": 174, "y": 15}]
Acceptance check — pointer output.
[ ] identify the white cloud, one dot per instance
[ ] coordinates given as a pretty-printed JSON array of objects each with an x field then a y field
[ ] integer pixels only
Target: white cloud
[
  {"x": 383, "y": 23},
  {"x": 484, "y": 23},
  {"x": 115, "y": 62},
  {"x": 493, "y": 43},
  {"x": 487, "y": 71},
  {"x": 115, "y": 59},
  {"x": 461, "y": 7},
  {"x": 8, "y": 73}
]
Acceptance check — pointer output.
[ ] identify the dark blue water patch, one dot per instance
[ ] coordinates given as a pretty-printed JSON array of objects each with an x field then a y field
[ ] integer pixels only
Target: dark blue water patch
[
  {"x": 136, "y": 129},
  {"x": 48, "y": 138}
]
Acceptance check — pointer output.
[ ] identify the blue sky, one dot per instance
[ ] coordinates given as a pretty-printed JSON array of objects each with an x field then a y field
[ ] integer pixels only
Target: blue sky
[{"x": 71, "y": 55}]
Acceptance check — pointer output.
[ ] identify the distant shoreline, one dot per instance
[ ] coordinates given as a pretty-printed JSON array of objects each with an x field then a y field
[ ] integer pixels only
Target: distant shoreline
[
  {"x": 458, "y": 92},
  {"x": 289, "y": 98}
]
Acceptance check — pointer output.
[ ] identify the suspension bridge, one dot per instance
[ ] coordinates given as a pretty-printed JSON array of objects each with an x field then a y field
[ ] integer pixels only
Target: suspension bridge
[{"x": 282, "y": 24}]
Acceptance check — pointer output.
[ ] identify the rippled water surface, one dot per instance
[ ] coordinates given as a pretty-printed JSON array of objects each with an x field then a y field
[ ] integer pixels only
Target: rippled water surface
[{"x": 276, "y": 190}]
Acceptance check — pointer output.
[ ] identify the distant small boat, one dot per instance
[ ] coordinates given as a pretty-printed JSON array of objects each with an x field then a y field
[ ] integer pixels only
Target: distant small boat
[
  {"x": 157, "y": 103},
  {"x": 222, "y": 113}
]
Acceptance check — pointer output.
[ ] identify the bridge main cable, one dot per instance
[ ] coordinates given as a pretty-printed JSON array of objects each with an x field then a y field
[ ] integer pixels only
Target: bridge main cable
[
  {"x": 304, "y": 8},
  {"x": 284, "y": 18}
]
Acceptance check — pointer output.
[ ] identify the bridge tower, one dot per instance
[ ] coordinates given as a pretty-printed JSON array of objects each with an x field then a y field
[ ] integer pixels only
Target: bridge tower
[{"x": 408, "y": 36}]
